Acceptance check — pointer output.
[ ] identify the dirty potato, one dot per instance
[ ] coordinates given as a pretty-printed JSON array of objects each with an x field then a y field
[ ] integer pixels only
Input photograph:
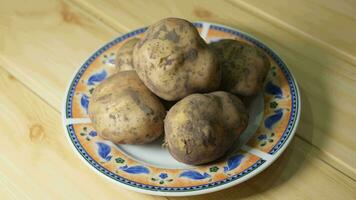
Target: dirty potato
[
  {"x": 123, "y": 61},
  {"x": 244, "y": 67},
  {"x": 235, "y": 116},
  {"x": 174, "y": 61},
  {"x": 201, "y": 127},
  {"x": 124, "y": 111}
]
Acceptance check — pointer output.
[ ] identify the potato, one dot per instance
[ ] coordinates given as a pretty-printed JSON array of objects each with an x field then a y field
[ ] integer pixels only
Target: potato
[
  {"x": 244, "y": 67},
  {"x": 174, "y": 61},
  {"x": 123, "y": 61},
  {"x": 235, "y": 116},
  {"x": 201, "y": 127},
  {"x": 124, "y": 111}
]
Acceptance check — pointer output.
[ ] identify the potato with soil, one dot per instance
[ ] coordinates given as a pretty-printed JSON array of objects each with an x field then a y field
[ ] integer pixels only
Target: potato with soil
[
  {"x": 124, "y": 111},
  {"x": 235, "y": 116},
  {"x": 244, "y": 67},
  {"x": 201, "y": 127},
  {"x": 123, "y": 61},
  {"x": 174, "y": 61}
]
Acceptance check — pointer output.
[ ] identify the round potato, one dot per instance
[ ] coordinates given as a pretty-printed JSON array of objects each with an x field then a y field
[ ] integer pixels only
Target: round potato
[
  {"x": 123, "y": 61},
  {"x": 244, "y": 67},
  {"x": 174, "y": 61},
  {"x": 201, "y": 127},
  {"x": 235, "y": 116},
  {"x": 124, "y": 111}
]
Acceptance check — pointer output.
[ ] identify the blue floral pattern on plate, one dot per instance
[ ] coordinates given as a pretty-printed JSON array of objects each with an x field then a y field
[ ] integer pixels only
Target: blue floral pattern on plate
[
  {"x": 162, "y": 178},
  {"x": 163, "y": 175},
  {"x": 135, "y": 169},
  {"x": 84, "y": 102},
  {"x": 191, "y": 174},
  {"x": 104, "y": 151},
  {"x": 233, "y": 163},
  {"x": 273, "y": 89},
  {"x": 274, "y": 118},
  {"x": 97, "y": 77}
]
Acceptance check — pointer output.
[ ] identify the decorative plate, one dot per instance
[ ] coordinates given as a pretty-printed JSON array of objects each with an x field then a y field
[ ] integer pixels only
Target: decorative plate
[{"x": 274, "y": 115}]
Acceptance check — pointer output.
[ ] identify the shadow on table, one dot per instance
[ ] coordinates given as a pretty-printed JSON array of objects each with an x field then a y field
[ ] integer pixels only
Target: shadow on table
[
  {"x": 290, "y": 163},
  {"x": 308, "y": 64}
]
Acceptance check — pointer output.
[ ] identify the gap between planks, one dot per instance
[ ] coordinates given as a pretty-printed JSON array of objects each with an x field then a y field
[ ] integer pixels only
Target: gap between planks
[
  {"x": 120, "y": 27},
  {"x": 168, "y": 198},
  {"x": 326, "y": 155},
  {"x": 349, "y": 58},
  {"x": 327, "y": 158},
  {"x": 99, "y": 15},
  {"x": 117, "y": 26},
  {"x": 254, "y": 151}
]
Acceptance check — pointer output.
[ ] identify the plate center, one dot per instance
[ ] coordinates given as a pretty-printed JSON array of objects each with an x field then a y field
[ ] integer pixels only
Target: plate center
[{"x": 155, "y": 155}]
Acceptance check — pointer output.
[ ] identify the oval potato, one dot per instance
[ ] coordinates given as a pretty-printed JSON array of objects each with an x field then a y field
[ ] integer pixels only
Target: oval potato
[
  {"x": 201, "y": 127},
  {"x": 123, "y": 61},
  {"x": 124, "y": 111},
  {"x": 174, "y": 61},
  {"x": 244, "y": 67}
]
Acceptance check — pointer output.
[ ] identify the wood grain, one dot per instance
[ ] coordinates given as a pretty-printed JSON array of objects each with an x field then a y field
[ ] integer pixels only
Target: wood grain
[
  {"x": 301, "y": 175},
  {"x": 330, "y": 24},
  {"x": 43, "y": 43},
  {"x": 327, "y": 81},
  {"x": 37, "y": 161}
]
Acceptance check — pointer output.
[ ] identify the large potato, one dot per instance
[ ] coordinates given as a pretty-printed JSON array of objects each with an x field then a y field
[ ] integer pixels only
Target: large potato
[
  {"x": 244, "y": 67},
  {"x": 202, "y": 127},
  {"x": 235, "y": 116},
  {"x": 124, "y": 111},
  {"x": 174, "y": 61},
  {"x": 123, "y": 61}
]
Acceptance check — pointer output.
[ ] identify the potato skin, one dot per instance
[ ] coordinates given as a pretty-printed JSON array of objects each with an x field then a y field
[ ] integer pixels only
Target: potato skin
[
  {"x": 244, "y": 67},
  {"x": 174, "y": 61},
  {"x": 123, "y": 61},
  {"x": 235, "y": 115},
  {"x": 124, "y": 111},
  {"x": 201, "y": 127}
]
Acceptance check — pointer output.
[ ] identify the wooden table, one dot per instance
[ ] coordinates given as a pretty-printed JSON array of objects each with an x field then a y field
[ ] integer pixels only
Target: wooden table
[{"x": 43, "y": 42}]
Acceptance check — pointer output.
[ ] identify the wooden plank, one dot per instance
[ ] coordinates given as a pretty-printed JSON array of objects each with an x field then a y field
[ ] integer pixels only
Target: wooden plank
[
  {"x": 297, "y": 174},
  {"x": 34, "y": 41},
  {"x": 326, "y": 80},
  {"x": 43, "y": 43},
  {"x": 37, "y": 161},
  {"x": 331, "y": 23}
]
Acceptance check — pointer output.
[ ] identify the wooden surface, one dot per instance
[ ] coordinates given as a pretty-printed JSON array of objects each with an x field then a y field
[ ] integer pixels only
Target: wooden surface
[{"x": 43, "y": 42}]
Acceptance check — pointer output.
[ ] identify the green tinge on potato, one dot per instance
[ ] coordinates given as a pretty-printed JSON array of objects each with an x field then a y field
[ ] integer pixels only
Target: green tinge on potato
[
  {"x": 123, "y": 60},
  {"x": 124, "y": 111},
  {"x": 244, "y": 67},
  {"x": 201, "y": 127},
  {"x": 174, "y": 61}
]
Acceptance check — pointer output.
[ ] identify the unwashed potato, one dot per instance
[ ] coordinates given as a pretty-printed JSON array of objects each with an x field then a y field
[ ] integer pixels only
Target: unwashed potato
[
  {"x": 244, "y": 67},
  {"x": 124, "y": 111},
  {"x": 123, "y": 61},
  {"x": 201, "y": 127},
  {"x": 235, "y": 116},
  {"x": 174, "y": 61}
]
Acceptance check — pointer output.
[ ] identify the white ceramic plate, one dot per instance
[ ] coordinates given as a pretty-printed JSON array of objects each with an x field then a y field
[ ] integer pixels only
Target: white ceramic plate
[{"x": 274, "y": 116}]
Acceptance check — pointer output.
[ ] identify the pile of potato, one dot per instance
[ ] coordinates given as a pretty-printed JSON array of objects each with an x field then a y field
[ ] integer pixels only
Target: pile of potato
[{"x": 172, "y": 82}]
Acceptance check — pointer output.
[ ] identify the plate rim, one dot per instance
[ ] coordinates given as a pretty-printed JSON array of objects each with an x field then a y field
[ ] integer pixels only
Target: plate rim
[{"x": 232, "y": 183}]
